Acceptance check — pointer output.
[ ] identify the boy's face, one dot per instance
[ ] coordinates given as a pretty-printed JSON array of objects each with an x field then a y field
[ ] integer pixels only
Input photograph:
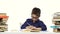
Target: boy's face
[{"x": 34, "y": 17}]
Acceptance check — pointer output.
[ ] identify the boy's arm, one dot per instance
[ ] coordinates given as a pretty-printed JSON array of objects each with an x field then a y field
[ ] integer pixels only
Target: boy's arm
[
  {"x": 43, "y": 26},
  {"x": 24, "y": 25}
]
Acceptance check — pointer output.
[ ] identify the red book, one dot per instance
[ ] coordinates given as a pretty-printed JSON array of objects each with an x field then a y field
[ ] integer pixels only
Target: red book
[{"x": 4, "y": 16}]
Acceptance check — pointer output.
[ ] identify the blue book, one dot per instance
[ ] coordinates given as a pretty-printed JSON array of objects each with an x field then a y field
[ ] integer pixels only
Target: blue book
[{"x": 55, "y": 26}]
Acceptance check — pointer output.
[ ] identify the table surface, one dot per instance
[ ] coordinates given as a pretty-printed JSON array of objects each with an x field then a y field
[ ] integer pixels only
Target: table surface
[{"x": 20, "y": 32}]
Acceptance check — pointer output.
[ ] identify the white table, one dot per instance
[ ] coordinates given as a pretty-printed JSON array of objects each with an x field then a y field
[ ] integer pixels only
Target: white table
[{"x": 28, "y": 32}]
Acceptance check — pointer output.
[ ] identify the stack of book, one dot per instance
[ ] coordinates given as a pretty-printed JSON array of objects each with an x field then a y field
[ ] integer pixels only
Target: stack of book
[
  {"x": 3, "y": 20},
  {"x": 56, "y": 22}
]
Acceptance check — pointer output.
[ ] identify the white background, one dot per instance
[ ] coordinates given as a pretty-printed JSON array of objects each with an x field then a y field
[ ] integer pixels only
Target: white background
[{"x": 19, "y": 10}]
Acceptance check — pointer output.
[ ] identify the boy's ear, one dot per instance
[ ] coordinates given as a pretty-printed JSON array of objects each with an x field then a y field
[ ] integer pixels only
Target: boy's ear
[{"x": 39, "y": 16}]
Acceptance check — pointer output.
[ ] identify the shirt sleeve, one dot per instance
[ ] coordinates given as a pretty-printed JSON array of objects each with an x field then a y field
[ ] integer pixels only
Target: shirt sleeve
[
  {"x": 24, "y": 25},
  {"x": 43, "y": 26}
]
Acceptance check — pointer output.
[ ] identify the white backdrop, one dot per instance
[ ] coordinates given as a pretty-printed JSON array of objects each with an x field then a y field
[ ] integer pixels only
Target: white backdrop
[{"x": 19, "y": 10}]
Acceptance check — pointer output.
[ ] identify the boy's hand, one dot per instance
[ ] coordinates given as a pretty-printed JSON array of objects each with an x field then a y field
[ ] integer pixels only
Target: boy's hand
[
  {"x": 30, "y": 27},
  {"x": 33, "y": 28}
]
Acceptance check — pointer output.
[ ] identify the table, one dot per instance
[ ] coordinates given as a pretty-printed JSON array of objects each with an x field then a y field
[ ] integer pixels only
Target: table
[{"x": 42, "y": 32}]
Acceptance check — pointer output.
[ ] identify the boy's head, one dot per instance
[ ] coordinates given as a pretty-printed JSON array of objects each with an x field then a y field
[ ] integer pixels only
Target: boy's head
[{"x": 35, "y": 13}]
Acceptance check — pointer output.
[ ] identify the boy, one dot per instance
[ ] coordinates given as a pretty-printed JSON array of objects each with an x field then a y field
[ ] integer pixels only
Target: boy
[{"x": 34, "y": 22}]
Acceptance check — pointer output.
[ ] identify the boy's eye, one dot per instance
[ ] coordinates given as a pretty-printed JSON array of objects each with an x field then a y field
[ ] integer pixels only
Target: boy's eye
[{"x": 35, "y": 17}]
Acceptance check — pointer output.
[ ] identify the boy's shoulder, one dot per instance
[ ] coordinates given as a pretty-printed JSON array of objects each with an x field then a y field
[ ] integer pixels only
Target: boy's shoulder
[
  {"x": 28, "y": 19},
  {"x": 40, "y": 21}
]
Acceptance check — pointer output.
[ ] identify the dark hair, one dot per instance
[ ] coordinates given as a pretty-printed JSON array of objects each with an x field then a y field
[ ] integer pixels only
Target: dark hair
[{"x": 36, "y": 11}]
